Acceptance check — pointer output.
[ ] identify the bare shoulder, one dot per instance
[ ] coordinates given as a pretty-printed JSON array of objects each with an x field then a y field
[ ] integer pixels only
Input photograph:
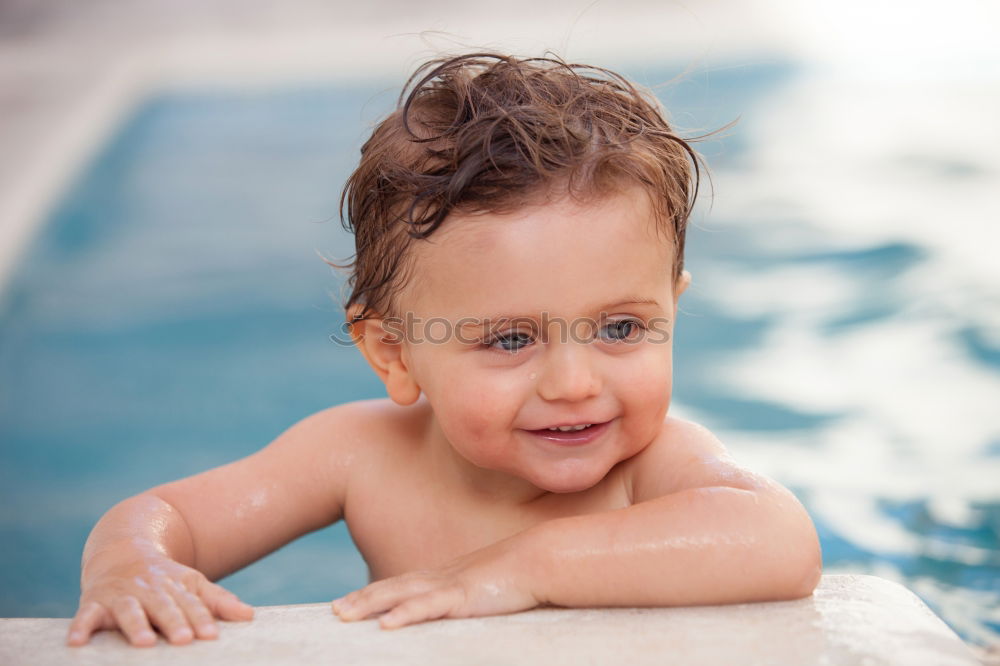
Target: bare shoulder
[
  {"x": 346, "y": 435},
  {"x": 327, "y": 441},
  {"x": 354, "y": 424},
  {"x": 685, "y": 455}
]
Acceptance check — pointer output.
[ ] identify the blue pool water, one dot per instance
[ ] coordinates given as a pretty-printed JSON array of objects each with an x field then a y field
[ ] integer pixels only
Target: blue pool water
[{"x": 173, "y": 315}]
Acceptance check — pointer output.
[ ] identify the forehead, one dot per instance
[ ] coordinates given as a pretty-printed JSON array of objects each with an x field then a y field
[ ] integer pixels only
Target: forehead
[{"x": 565, "y": 254}]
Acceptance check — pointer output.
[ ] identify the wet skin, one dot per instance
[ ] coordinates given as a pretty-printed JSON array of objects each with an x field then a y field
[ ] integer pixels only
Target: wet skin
[{"x": 458, "y": 495}]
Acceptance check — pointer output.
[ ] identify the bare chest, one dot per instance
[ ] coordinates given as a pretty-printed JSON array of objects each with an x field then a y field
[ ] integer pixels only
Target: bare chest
[{"x": 403, "y": 523}]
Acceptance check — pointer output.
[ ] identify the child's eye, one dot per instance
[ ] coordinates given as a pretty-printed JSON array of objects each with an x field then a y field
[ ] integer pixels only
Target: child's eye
[
  {"x": 509, "y": 342},
  {"x": 623, "y": 330}
]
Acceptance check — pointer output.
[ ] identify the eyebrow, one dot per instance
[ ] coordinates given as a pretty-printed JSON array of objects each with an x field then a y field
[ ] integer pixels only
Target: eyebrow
[{"x": 503, "y": 317}]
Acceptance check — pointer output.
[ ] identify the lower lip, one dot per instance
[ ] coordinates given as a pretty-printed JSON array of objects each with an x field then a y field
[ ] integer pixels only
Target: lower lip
[{"x": 571, "y": 437}]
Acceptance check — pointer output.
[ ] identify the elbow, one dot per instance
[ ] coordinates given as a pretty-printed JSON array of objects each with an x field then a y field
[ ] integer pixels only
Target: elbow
[
  {"x": 796, "y": 556},
  {"x": 802, "y": 562},
  {"x": 792, "y": 573},
  {"x": 807, "y": 576}
]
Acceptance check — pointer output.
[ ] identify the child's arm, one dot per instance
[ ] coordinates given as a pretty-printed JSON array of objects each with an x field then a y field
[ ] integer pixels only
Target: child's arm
[
  {"x": 152, "y": 557},
  {"x": 136, "y": 563},
  {"x": 701, "y": 531}
]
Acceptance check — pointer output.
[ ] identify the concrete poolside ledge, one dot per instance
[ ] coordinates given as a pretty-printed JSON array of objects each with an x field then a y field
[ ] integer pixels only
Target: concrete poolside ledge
[{"x": 848, "y": 620}]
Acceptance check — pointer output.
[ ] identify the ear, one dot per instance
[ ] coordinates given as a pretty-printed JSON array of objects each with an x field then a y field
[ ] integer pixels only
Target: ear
[
  {"x": 683, "y": 282},
  {"x": 380, "y": 341}
]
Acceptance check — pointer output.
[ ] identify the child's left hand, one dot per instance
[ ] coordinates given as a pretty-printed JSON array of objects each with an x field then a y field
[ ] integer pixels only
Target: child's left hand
[{"x": 489, "y": 581}]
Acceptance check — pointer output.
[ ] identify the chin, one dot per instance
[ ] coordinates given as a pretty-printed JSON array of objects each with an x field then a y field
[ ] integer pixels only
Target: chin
[
  {"x": 570, "y": 483},
  {"x": 569, "y": 490}
]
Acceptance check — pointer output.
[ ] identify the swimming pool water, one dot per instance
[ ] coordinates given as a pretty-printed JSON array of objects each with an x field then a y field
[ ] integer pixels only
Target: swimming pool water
[{"x": 173, "y": 315}]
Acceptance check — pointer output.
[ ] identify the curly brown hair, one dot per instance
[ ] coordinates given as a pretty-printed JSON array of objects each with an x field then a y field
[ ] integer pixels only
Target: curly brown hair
[{"x": 491, "y": 133}]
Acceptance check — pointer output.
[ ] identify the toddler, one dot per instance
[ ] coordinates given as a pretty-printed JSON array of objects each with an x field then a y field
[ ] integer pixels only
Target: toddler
[{"x": 519, "y": 231}]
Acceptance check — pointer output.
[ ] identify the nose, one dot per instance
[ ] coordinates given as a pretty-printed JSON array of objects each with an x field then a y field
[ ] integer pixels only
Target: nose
[{"x": 569, "y": 372}]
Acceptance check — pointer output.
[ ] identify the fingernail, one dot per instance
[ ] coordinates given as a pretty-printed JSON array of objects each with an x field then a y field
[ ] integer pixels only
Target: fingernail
[{"x": 75, "y": 636}]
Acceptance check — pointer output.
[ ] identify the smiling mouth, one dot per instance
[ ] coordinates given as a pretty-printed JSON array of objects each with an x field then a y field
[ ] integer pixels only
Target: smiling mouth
[{"x": 582, "y": 433}]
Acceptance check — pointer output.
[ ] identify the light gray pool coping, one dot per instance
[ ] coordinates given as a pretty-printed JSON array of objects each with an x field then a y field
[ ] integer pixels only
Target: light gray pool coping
[{"x": 862, "y": 620}]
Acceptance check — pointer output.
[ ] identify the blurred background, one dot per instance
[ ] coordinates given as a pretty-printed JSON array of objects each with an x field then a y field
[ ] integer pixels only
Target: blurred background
[{"x": 169, "y": 177}]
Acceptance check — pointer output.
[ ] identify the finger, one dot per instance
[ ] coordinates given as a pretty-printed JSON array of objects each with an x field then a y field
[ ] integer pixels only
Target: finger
[
  {"x": 193, "y": 607},
  {"x": 430, "y": 606},
  {"x": 89, "y": 618},
  {"x": 131, "y": 619},
  {"x": 223, "y": 603},
  {"x": 361, "y": 603},
  {"x": 168, "y": 617},
  {"x": 381, "y": 596}
]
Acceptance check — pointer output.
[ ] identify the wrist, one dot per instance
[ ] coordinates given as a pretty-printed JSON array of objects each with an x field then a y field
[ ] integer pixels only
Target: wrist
[{"x": 117, "y": 553}]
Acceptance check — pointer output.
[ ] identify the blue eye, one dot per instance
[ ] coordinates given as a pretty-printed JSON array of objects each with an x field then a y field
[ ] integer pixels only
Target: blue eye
[
  {"x": 510, "y": 342},
  {"x": 623, "y": 330}
]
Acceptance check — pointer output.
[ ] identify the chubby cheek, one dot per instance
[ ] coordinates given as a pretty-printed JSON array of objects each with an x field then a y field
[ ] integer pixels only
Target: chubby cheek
[
  {"x": 476, "y": 409},
  {"x": 647, "y": 394}
]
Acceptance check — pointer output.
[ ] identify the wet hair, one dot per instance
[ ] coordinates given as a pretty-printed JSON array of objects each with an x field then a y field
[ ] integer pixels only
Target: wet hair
[{"x": 492, "y": 133}]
